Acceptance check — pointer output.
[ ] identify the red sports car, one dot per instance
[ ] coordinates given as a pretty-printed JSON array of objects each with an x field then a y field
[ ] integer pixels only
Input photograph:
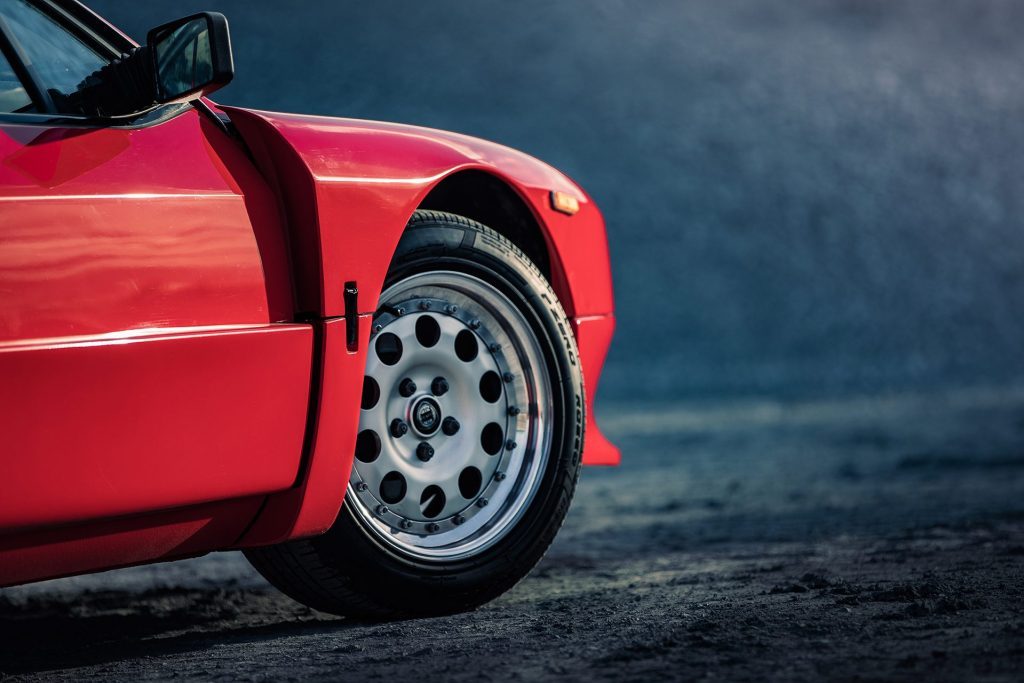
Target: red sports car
[{"x": 217, "y": 325}]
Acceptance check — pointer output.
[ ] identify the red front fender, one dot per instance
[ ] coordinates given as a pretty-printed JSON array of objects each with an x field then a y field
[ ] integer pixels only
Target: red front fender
[{"x": 348, "y": 188}]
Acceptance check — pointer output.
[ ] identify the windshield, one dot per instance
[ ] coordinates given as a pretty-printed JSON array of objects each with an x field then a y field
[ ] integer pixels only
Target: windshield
[
  {"x": 59, "y": 60},
  {"x": 13, "y": 97}
]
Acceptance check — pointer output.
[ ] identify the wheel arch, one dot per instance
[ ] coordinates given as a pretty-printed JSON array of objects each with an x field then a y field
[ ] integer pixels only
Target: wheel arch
[{"x": 487, "y": 199}]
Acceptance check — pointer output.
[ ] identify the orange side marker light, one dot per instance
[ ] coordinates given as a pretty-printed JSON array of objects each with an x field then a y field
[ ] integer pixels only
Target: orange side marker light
[{"x": 565, "y": 203}]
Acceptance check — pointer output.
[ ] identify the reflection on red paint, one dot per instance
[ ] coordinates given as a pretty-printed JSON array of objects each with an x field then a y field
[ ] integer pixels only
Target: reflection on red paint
[
  {"x": 59, "y": 155},
  {"x": 108, "y": 230}
]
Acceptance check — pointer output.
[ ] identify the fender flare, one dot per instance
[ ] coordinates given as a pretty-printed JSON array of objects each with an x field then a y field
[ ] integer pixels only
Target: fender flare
[{"x": 349, "y": 188}]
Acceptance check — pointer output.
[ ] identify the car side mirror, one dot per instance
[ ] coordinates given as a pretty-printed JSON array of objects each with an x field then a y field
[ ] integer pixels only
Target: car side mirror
[{"x": 191, "y": 57}]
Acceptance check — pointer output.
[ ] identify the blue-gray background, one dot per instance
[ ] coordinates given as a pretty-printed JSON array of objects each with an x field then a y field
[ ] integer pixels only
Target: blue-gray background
[{"x": 803, "y": 198}]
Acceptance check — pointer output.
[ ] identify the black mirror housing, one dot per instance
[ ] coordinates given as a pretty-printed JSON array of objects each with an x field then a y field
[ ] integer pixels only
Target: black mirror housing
[
  {"x": 191, "y": 57},
  {"x": 182, "y": 61}
]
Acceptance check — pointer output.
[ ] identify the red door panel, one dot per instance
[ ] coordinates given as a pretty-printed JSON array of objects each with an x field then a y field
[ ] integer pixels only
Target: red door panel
[
  {"x": 144, "y": 363},
  {"x": 96, "y": 428},
  {"x": 106, "y": 229}
]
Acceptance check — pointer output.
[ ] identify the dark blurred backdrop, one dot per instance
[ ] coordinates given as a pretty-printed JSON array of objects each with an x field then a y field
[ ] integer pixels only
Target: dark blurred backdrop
[{"x": 803, "y": 198}]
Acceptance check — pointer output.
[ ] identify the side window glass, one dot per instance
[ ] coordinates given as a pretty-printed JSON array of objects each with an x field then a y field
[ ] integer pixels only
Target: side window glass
[
  {"x": 13, "y": 98},
  {"x": 60, "y": 60}
]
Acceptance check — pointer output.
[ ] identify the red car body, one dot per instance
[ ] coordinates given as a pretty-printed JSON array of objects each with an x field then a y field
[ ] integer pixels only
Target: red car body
[{"x": 185, "y": 318}]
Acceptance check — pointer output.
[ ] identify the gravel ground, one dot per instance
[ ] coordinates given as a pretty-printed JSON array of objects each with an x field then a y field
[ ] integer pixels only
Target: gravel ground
[{"x": 862, "y": 539}]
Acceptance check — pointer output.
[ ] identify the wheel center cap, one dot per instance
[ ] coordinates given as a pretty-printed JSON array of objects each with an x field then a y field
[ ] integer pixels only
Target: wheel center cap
[{"x": 426, "y": 416}]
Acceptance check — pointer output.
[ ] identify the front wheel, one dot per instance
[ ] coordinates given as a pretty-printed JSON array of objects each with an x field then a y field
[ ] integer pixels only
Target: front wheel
[{"x": 470, "y": 435}]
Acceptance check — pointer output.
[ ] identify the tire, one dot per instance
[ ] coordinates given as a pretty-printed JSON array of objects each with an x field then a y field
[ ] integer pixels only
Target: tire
[{"x": 399, "y": 549}]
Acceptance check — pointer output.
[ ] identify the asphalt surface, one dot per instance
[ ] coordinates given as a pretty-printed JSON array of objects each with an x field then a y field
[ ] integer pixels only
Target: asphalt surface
[
  {"x": 817, "y": 381},
  {"x": 857, "y": 539}
]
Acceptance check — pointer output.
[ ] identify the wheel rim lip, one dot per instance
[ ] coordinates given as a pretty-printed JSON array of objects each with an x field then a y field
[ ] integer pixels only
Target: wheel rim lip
[{"x": 501, "y": 322}]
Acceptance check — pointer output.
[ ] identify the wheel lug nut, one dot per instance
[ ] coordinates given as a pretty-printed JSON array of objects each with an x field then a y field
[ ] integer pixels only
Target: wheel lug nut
[
  {"x": 450, "y": 426},
  {"x": 398, "y": 428},
  {"x": 474, "y": 324},
  {"x": 481, "y": 502},
  {"x": 507, "y": 377},
  {"x": 499, "y": 476},
  {"x": 494, "y": 348},
  {"x": 439, "y": 387},
  {"x": 405, "y": 524},
  {"x": 361, "y": 486},
  {"x": 510, "y": 445},
  {"x": 433, "y": 527},
  {"x": 458, "y": 519},
  {"x": 378, "y": 328},
  {"x": 382, "y": 510},
  {"x": 513, "y": 411},
  {"x": 424, "y": 451},
  {"x": 407, "y": 387},
  {"x": 424, "y": 305},
  {"x": 450, "y": 309},
  {"x": 399, "y": 311}
]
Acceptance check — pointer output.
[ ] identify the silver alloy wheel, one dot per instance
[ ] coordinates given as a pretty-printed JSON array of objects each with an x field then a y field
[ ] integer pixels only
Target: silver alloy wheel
[{"x": 455, "y": 426}]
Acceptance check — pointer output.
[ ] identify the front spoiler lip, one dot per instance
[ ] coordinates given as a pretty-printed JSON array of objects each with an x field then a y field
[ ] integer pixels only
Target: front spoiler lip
[{"x": 593, "y": 337}]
